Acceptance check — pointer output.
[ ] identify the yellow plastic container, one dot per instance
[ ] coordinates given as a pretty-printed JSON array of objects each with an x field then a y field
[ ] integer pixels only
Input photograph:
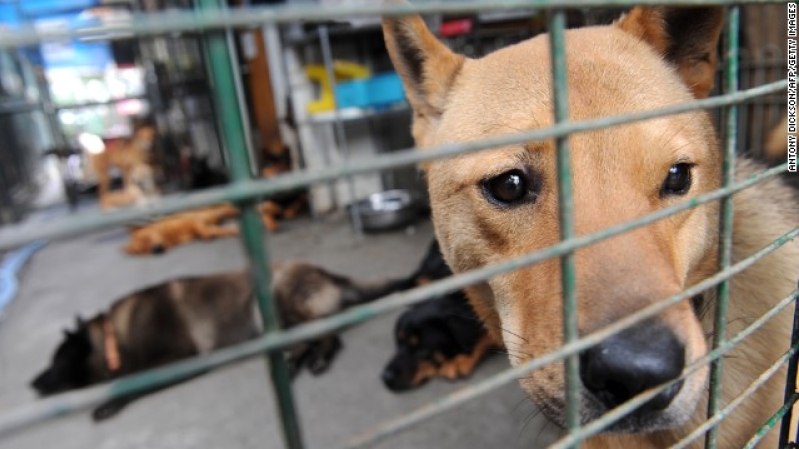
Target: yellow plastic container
[{"x": 342, "y": 71}]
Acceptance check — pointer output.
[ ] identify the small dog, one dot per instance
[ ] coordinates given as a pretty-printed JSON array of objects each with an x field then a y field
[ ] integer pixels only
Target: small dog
[
  {"x": 177, "y": 229},
  {"x": 202, "y": 175},
  {"x": 439, "y": 337},
  {"x": 140, "y": 191},
  {"x": 196, "y": 315},
  {"x": 127, "y": 155},
  {"x": 498, "y": 204},
  {"x": 285, "y": 205}
]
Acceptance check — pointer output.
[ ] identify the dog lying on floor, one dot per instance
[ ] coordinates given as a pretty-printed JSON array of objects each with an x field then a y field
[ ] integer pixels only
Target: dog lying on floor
[
  {"x": 438, "y": 337},
  {"x": 498, "y": 204},
  {"x": 285, "y": 205},
  {"x": 177, "y": 229},
  {"x": 196, "y": 315}
]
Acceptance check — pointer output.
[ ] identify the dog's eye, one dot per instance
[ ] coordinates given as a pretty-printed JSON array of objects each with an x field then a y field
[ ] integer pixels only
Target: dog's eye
[
  {"x": 511, "y": 188},
  {"x": 678, "y": 181}
]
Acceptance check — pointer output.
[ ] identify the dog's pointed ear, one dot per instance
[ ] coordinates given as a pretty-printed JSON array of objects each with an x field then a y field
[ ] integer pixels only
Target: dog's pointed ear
[
  {"x": 80, "y": 323},
  {"x": 427, "y": 67},
  {"x": 686, "y": 37}
]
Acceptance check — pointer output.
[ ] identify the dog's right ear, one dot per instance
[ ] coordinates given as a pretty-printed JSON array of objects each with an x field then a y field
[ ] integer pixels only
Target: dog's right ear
[{"x": 427, "y": 67}]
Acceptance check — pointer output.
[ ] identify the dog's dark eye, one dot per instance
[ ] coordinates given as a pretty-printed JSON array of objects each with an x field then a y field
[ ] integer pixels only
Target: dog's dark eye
[
  {"x": 678, "y": 181},
  {"x": 511, "y": 188}
]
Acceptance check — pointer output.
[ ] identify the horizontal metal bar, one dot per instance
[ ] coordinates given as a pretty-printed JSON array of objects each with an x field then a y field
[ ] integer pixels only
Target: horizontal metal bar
[
  {"x": 629, "y": 406},
  {"x": 53, "y": 407},
  {"x": 478, "y": 389},
  {"x": 13, "y": 236},
  {"x": 771, "y": 423},
  {"x": 187, "y": 21}
]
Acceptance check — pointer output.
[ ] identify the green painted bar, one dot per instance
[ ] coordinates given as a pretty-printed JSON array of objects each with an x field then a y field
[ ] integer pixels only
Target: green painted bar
[
  {"x": 560, "y": 95},
  {"x": 175, "y": 22},
  {"x": 738, "y": 400},
  {"x": 11, "y": 237},
  {"x": 771, "y": 423},
  {"x": 726, "y": 211},
  {"x": 790, "y": 382},
  {"x": 233, "y": 132}
]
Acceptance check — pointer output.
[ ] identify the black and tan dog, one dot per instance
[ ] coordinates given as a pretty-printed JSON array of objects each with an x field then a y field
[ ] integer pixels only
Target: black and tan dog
[
  {"x": 501, "y": 203},
  {"x": 190, "y": 316},
  {"x": 439, "y": 337}
]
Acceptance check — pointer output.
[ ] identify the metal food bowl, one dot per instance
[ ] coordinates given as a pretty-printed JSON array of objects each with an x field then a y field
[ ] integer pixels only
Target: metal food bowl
[{"x": 388, "y": 210}]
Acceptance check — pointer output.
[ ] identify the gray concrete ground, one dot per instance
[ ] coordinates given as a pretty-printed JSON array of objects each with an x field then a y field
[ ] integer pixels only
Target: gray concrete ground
[{"x": 233, "y": 407}]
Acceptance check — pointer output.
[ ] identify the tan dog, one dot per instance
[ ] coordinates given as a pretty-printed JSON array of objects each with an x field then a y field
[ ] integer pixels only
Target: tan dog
[
  {"x": 126, "y": 155},
  {"x": 494, "y": 205},
  {"x": 177, "y": 229},
  {"x": 138, "y": 192}
]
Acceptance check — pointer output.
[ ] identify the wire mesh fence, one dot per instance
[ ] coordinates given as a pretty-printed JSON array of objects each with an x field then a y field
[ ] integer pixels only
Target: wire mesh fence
[{"x": 215, "y": 22}]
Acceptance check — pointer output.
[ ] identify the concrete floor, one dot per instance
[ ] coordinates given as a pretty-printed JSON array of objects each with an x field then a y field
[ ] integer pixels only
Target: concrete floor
[{"x": 233, "y": 407}]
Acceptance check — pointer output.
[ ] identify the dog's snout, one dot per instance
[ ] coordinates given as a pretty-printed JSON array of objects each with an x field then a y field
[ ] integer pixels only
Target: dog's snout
[
  {"x": 389, "y": 378},
  {"x": 158, "y": 249},
  {"x": 633, "y": 361}
]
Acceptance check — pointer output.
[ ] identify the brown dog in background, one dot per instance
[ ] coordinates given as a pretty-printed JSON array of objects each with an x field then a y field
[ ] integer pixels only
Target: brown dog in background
[
  {"x": 495, "y": 205},
  {"x": 285, "y": 205},
  {"x": 177, "y": 229}
]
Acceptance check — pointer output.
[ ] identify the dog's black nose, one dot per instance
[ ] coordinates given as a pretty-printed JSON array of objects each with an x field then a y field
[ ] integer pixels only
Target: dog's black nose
[
  {"x": 632, "y": 361},
  {"x": 389, "y": 378},
  {"x": 158, "y": 249}
]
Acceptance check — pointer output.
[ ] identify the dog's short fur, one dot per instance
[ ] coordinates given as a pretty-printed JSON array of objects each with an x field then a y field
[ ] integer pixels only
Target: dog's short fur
[
  {"x": 189, "y": 316},
  {"x": 498, "y": 204},
  {"x": 439, "y": 337},
  {"x": 181, "y": 228},
  {"x": 776, "y": 149}
]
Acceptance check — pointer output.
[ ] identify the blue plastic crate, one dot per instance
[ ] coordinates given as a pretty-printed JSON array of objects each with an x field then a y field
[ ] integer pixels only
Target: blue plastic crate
[{"x": 380, "y": 90}]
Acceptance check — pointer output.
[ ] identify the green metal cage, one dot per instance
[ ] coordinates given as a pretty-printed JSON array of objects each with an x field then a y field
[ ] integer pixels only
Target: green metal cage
[{"x": 216, "y": 21}]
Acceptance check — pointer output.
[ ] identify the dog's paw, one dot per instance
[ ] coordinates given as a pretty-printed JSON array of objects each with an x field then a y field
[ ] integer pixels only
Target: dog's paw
[
  {"x": 107, "y": 410},
  {"x": 318, "y": 366}
]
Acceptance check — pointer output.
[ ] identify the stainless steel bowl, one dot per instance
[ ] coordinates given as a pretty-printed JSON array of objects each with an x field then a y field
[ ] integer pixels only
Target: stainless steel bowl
[{"x": 388, "y": 210}]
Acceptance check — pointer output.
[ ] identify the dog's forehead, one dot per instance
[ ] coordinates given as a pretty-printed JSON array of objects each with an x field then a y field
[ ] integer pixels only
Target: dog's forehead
[{"x": 609, "y": 73}]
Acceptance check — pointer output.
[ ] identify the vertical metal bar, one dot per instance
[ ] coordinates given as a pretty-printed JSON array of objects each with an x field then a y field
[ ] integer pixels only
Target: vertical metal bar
[
  {"x": 241, "y": 101},
  {"x": 725, "y": 247},
  {"x": 557, "y": 25},
  {"x": 340, "y": 132},
  {"x": 252, "y": 231},
  {"x": 790, "y": 381}
]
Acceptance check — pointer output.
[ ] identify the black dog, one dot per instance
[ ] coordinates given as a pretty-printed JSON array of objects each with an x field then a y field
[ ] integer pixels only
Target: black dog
[
  {"x": 439, "y": 337},
  {"x": 203, "y": 176},
  {"x": 185, "y": 317}
]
